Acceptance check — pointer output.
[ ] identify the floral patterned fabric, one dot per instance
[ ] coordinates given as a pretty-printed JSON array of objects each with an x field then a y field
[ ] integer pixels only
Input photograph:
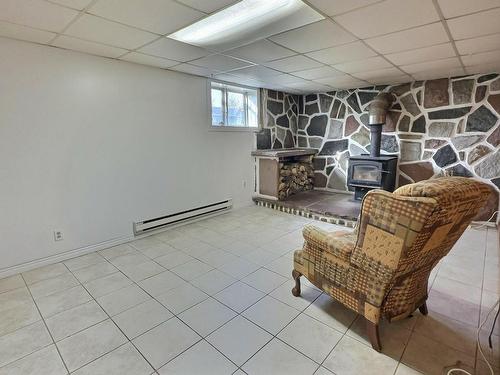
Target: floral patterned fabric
[{"x": 382, "y": 269}]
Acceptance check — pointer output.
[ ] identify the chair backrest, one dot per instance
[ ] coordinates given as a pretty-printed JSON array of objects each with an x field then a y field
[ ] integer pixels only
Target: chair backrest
[
  {"x": 458, "y": 199},
  {"x": 402, "y": 235}
]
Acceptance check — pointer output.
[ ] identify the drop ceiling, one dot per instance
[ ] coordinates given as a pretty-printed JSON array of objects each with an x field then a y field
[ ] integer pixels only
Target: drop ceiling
[{"x": 357, "y": 43}]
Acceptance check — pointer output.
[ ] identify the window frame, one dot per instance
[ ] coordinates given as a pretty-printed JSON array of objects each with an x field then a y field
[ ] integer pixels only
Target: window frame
[{"x": 225, "y": 91}]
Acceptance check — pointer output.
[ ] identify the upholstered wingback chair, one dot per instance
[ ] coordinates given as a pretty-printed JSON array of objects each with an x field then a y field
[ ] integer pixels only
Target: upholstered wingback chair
[{"x": 381, "y": 269}]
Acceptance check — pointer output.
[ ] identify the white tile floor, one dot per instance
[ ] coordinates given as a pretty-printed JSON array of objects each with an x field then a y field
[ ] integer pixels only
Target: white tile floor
[{"x": 214, "y": 298}]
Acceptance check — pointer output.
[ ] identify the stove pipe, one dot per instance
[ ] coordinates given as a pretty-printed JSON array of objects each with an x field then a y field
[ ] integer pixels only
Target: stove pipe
[{"x": 376, "y": 119}]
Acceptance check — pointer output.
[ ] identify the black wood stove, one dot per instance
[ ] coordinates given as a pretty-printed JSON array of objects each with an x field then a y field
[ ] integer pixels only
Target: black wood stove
[
  {"x": 368, "y": 172},
  {"x": 373, "y": 171}
]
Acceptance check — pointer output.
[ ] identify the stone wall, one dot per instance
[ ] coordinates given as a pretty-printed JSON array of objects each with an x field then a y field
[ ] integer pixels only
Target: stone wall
[
  {"x": 280, "y": 114},
  {"x": 443, "y": 126}
]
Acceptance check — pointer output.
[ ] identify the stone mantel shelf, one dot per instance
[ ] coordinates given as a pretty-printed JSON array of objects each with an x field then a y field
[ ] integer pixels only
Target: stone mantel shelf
[{"x": 285, "y": 152}]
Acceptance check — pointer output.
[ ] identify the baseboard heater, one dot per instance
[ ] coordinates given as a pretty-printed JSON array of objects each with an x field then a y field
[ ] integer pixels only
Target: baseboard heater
[{"x": 181, "y": 217}]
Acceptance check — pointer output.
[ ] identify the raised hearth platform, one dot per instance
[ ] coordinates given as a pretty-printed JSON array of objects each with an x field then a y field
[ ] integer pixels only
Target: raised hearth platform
[{"x": 334, "y": 208}]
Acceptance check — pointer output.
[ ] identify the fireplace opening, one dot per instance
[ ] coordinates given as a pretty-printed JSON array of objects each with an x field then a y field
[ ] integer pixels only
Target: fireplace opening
[{"x": 373, "y": 171}]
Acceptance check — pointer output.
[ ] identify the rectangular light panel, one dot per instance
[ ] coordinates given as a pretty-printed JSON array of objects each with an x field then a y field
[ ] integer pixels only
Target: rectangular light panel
[{"x": 246, "y": 22}]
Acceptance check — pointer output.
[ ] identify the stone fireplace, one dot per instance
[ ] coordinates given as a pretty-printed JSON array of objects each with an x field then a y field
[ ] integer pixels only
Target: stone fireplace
[{"x": 436, "y": 127}]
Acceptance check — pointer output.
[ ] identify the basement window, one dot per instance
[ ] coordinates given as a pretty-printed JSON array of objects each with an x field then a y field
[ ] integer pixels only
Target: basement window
[{"x": 233, "y": 107}]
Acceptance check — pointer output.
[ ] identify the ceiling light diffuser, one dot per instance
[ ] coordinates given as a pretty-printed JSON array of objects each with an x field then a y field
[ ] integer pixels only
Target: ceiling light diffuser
[{"x": 246, "y": 22}]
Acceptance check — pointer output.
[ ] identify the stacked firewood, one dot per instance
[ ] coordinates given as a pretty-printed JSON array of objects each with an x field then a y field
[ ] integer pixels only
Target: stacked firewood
[{"x": 295, "y": 177}]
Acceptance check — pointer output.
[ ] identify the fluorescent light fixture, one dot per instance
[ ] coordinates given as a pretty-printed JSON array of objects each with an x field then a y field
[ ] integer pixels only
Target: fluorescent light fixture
[{"x": 245, "y": 22}]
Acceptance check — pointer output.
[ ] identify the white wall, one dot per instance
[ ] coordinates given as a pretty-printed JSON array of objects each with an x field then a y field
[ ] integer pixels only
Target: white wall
[{"x": 89, "y": 145}]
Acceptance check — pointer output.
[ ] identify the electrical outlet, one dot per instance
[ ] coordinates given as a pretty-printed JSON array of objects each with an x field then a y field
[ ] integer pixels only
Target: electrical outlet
[{"x": 58, "y": 235}]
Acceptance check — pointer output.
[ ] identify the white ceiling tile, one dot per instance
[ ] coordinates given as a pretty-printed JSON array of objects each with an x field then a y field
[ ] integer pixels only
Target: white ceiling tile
[
  {"x": 293, "y": 64},
  {"x": 36, "y": 13},
  {"x": 481, "y": 58},
  {"x": 388, "y": 16},
  {"x": 422, "y": 36},
  {"x": 158, "y": 16},
  {"x": 333, "y": 8},
  {"x": 143, "y": 59},
  {"x": 208, "y": 6},
  {"x": 11, "y": 30},
  {"x": 80, "y": 45},
  {"x": 260, "y": 51},
  {"x": 75, "y": 4},
  {"x": 258, "y": 72},
  {"x": 284, "y": 79},
  {"x": 346, "y": 83},
  {"x": 336, "y": 78},
  {"x": 384, "y": 73},
  {"x": 313, "y": 37},
  {"x": 391, "y": 80},
  {"x": 291, "y": 90},
  {"x": 480, "y": 44},
  {"x": 477, "y": 24},
  {"x": 309, "y": 86},
  {"x": 371, "y": 63},
  {"x": 346, "y": 52},
  {"x": 351, "y": 85},
  {"x": 103, "y": 31},
  {"x": 317, "y": 73},
  {"x": 455, "y": 8},
  {"x": 438, "y": 73},
  {"x": 483, "y": 68},
  {"x": 228, "y": 77},
  {"x": 273, "y": 86},
  {"x": 249, "y": 82},
  {"x": 449, "y": 63},
  {"x": 221, "y": 63},
  {"x": 194, "y": 70},
  {"x": 172, "y": 49},
  {"x": 439, "y": 51}
]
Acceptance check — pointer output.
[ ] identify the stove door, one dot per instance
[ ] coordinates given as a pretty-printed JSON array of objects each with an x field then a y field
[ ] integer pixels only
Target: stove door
[{"x": 365, "y": 174}]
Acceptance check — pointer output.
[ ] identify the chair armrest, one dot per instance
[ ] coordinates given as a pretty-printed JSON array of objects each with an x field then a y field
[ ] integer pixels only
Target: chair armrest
[
  {"x": 315, "y": 235},
  {"x": 339, "y": 243}
]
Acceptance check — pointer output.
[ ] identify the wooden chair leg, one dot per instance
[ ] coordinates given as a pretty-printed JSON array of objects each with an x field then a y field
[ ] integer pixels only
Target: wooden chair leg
[
  {"x": 296, "y": 276},
  {"x": 372, "y": 331},
  {"x": 423, "y": 308}
]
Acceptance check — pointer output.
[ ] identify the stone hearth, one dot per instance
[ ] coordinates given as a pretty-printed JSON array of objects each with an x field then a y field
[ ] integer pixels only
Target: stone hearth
[{"x": 334, "y": 208}]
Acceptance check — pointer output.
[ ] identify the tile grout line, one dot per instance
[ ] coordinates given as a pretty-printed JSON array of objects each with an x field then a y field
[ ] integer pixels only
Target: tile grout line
[
  {"x": 109, "y": 316},
  {"x": 213, "y": 297},
  {"x": 46, "y": 327},
  {"x": 119, "y": 329},
  {"x": 448, "y": 318},
  {"x": 476, "y": 357},
  {"x": 174, "y": 315},
  {"x": 79, "y": 15},
  {"x": 153, "y": 298},
  {"x": 86, "y": 9},
  {"x": 237, "y": 313},
  {"x": 71, "y": 272},
  {"x": 444, "y": 22},
  {"x": 274, "y": 336}
]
